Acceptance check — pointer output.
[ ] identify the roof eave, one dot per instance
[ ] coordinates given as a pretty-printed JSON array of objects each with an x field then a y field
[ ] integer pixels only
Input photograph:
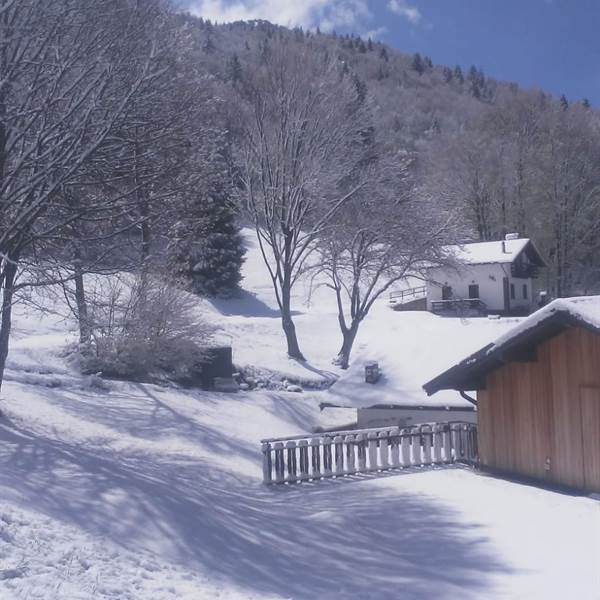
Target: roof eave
[{"x": 470, "y": 374}]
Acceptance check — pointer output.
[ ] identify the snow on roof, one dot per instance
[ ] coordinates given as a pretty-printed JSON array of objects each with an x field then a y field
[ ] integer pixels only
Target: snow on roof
[
  {"x": 585, "y": 309},
  {"x": 581, "y": 311},
  {"x": 479, "y": 253}
]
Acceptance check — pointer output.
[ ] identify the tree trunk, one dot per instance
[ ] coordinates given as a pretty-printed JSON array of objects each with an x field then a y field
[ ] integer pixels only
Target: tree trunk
[
  {"x": 293, "y": 348},
  {"x": 85, "y": 332},
  {"x": 349, "y": 335},
  {"x": 10, "y": 270}
]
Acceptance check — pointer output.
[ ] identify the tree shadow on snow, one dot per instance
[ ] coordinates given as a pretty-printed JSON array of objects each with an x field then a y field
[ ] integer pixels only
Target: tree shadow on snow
[
  {"x": 306, "y": 541},
  {"x": 246, "y": 304}
]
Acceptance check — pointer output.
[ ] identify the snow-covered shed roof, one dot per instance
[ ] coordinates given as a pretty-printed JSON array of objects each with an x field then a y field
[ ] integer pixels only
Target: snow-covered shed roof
[
  {"x": 501, "y": 251},
  {"x": 545, "y": 323}
]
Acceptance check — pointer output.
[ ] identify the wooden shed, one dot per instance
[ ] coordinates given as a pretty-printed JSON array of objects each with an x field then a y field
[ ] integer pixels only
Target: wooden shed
[{"x": 538, "y": 395}]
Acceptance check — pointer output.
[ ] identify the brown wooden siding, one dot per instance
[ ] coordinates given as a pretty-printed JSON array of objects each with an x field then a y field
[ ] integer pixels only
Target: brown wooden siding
[{"x": 541, "y": 419}]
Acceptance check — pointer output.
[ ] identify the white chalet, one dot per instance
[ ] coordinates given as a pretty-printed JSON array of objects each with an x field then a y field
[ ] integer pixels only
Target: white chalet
[{"x": 492, "y": 277}]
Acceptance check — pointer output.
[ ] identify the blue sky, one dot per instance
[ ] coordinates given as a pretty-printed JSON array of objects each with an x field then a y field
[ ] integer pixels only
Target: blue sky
[{"x": 552, "y": 44}]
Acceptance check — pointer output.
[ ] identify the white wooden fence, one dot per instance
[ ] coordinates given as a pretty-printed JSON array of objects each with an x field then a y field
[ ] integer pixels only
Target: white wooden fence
[{"x": 340, "y": 453}]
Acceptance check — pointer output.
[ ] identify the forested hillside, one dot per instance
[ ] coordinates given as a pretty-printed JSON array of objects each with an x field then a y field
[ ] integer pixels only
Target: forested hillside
[
  {"x": 137, "y": 139},
  {"x": 511, "y": 159}
]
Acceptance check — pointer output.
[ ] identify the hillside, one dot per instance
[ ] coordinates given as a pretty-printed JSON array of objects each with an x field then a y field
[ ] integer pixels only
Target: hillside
[
  {"x": 127, "y": 491},
  {"x": 509, "y": 159}
]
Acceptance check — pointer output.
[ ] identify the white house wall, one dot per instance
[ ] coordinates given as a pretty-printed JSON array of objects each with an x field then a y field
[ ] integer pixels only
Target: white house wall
[
  {"x": 489, "y": 277},
  {"x": 403, "y": 417}
]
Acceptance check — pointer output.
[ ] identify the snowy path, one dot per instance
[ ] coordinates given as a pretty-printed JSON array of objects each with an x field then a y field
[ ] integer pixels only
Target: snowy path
[{"x": 147, "y": 493}]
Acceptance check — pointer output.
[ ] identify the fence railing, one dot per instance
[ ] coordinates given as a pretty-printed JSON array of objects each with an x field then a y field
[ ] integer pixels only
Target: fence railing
[
  {"x": 459, "y": 305},
  {"x": 401, "y": 296},
  {"x": 341, "y": 453}
]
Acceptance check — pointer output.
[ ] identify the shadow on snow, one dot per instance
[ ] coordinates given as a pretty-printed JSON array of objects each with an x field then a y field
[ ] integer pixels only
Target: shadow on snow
[{"x": 326, "y": 540}]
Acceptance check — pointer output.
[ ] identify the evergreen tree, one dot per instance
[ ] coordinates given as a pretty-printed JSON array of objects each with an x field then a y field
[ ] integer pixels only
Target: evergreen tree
[
  {"x": 417, "y": 64},
  {"x": 477, "y": 81},
  {"x": 585, "y": 103},
  {"x": 458, "y": 74},
  {"x": 448, "y": 75},
  {"x": 564, "y": 103},
  {"x": 428, "y": 62},
  {"x": 362, "y": 48},
  {"x": 206, "y": 247},
  {"x": 208, "y": 46},
  {"x": 383, "y": 54},
  {"x": 370, "y": 45},
  {"x": 234, "y": 69}
]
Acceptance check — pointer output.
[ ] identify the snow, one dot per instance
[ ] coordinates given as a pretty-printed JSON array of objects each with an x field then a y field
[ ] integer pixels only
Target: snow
[
  {"x": 411, "y": 347},
  {"x": 481, "y": 253},
  {"x": 146, "y": 492},
  {"x": 583, "y": 308}
]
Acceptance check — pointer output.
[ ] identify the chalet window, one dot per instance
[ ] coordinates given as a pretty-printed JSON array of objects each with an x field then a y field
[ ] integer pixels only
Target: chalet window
[
  {"x": 446, "y": 292},
  {"x": 525, "y": 291},
  {"x": 474, "y": 291},
  {"x": 512, "y": 291}
]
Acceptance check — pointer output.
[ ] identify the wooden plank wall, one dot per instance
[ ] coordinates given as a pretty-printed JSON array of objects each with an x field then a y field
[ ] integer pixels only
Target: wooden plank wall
[{"x": 530, "y": 414}]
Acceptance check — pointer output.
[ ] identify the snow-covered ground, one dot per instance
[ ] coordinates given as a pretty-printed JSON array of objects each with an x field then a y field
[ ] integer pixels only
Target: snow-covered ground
[{"x": 145, "y": 492}]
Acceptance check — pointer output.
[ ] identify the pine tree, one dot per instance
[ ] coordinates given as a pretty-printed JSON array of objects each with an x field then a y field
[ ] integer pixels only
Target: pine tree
[
  {"x": 234, "y": 69},
  {"x": 585, "y": 103},
  {"x": 428, "y": 62},
  {"x": 383, "y": 54},
  {"x": 448, "y": 75},
  {"x": 475, "y": 77},
  {"x": 564, "y": 103},
  {"x": 458, "y": 74},
  {"x": 417, "y": 64},
  {"x": 370, "y": 45},
  {"x": 208, "y": 46},
  {"x": 206, "y": 247}
]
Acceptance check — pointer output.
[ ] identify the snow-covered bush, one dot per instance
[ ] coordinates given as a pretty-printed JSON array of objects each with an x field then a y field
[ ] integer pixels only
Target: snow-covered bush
[{"x": 146, "y": 328}]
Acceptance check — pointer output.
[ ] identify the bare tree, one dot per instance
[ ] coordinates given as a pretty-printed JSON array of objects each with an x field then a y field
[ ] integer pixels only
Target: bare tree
[
  {"x": 304, "y": 133},
  {"x": 61, "y": 97},
  {"x": 385, "y": 234}
]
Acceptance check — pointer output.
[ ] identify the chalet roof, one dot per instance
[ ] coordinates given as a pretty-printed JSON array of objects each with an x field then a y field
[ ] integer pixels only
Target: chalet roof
[
  {"x": 501, "y": 251},
  {"x": 545, "y": 323}
]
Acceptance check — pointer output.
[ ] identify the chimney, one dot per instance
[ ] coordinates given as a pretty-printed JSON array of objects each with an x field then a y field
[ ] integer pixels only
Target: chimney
[{"x": 503, "y": 247}]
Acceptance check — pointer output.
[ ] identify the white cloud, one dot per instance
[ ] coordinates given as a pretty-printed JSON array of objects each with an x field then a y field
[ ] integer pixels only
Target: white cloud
[
  {"x": 327, "y": 14},
  {"x": 374, "y": 33},
  {"x": 404, "y": 9}
]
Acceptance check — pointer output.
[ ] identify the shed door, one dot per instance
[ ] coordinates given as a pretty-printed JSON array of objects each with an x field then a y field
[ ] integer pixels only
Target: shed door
[{"x": 590, "y": 429}]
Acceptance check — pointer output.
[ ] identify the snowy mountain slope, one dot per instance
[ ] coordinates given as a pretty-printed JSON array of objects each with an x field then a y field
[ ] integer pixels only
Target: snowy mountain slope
[
  {"x": 411, "y": 347},
  {"x": 132, "y": 491}
]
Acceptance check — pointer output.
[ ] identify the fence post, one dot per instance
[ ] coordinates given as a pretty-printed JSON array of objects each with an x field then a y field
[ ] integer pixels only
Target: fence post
[
  {"x": 267, "y": 462},
  {"x": 405, "y": 440},
  {"x": 383, "y": 449},
  {"x": 316, "y": 458},
  {"x": 395, "y": 447},
  {"x": 372, "y": 441},
  {"x": 447, "y": 443},
  {"x": 291, "y": 460},
  {"x": 338, "y": 441},
  {"x": 303, "y": 445},
  {"x": 350, "y": 462},
  {"x": 279, "y": 463},
  {"x": 437, "y": 444},
  {"x": 416, "y": 445},
  {"x": 327, "y": 470},
  {"x": 362, "y": 452},
  {"x": 427, "y": 444}
]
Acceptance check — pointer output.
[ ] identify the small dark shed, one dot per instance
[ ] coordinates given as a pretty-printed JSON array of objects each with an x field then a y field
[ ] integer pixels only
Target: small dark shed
[{"x": 538, "y": 395}]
